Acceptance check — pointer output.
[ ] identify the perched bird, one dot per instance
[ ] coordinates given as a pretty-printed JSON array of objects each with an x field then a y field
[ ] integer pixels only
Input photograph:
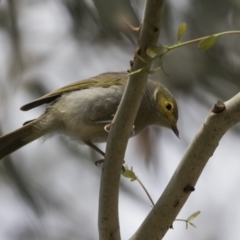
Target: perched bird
[{"x": 81, "y": 111}]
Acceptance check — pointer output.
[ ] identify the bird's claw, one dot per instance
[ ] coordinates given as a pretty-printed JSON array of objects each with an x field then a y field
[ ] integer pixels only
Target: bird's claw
[
  {"x": 132, "y": 131},
  {"x": 98, "y": 162},
  {"x": 108, "y": 127}
]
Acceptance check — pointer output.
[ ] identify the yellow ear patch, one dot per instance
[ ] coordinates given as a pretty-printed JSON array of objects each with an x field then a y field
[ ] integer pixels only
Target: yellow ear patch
[
  {"x": 164, "y": 103},
  {"x": 167, "y": 108}
]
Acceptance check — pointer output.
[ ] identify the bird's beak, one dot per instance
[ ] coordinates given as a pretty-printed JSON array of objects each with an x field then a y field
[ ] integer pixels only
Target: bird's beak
[
  {"x": 175, "y": 129},
  {"x": 173, "y": 125}
]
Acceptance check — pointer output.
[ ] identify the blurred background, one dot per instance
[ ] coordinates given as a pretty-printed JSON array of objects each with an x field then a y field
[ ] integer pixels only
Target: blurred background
[{"x": 49, "y": 190}]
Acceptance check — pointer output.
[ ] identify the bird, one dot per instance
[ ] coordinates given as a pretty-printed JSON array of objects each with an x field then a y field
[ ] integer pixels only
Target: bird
[{"x": 82, "y": 110}]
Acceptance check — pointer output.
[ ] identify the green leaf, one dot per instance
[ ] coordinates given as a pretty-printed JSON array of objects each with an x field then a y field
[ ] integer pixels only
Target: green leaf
[
  {"x": 208, "y": 42},
  {"x": 194, "y": 215},
  {"x": 135, "y": 72},
  {"x": 192, "y": 224},
  {"x": 156, "y": 50},
  {"x": 129, "y": 173},
  {"x": 181, "y": 30},
  {"x": 152, "y": 51}
]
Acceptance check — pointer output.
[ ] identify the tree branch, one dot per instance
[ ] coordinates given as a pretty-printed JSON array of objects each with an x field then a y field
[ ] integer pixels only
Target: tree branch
[
  {"x": 122, "y": 124},
  {"x": 220, "y": 119}
]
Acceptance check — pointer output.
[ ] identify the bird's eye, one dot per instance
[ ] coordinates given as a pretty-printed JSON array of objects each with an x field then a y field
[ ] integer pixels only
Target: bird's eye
[{"x": 168, "y": 106}]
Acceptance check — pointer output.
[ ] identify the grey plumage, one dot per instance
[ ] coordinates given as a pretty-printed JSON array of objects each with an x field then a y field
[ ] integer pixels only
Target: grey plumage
[{"x": 82, "y": 109}]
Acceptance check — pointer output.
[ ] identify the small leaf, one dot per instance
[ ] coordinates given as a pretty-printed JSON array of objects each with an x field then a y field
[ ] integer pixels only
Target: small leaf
[
  {"x": 181, "y": 30},
  {"x": 194, "y": 215},
  {"x": 152, "y": 51},
  {"x": 135, "y": 72},
  {"x": 208, "y": 42},
  {"x": 192, "y": 224},
  {"x": 156, "y": 50},
  {"x": 129, "y": 173}
]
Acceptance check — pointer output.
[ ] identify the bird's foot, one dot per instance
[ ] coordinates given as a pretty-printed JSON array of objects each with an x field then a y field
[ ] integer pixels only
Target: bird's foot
[
  {"x": 107, "y": 128},
  {"x": 98, "y": 162},
  {"x": 101, "y": 161}
]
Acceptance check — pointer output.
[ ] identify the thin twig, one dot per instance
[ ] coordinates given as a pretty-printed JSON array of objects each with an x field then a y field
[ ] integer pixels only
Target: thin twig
[{"x": 146, "y": 191}]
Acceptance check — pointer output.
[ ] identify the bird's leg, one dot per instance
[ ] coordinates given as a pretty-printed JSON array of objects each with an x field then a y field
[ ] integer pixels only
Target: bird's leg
[
  {"x": 91, "y": 145},
  {"x": 94, "y": 147},
  {"x": 100, "y": 161}
]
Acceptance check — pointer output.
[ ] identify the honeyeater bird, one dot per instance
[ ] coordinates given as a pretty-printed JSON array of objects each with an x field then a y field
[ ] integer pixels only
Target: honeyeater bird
[{"x": 82, "y": 109}]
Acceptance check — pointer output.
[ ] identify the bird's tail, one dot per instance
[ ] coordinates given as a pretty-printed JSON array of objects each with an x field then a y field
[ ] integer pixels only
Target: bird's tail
[{"x": 22, "y": 136}]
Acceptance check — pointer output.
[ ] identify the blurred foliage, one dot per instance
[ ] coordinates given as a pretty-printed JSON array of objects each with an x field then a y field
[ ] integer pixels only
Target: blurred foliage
[
  {"x": 36, "y": 33},
  {"x": 101, "y": 20}
]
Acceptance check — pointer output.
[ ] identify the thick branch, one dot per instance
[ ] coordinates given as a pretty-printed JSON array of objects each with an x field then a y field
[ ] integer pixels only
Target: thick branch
[
  {"x": 123, "y": 122},
  {"x": 218, "y": 121}
]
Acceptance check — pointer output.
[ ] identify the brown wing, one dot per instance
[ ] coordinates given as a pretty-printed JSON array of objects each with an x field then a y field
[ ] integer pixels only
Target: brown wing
[{"x": 103, "y": 80}]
